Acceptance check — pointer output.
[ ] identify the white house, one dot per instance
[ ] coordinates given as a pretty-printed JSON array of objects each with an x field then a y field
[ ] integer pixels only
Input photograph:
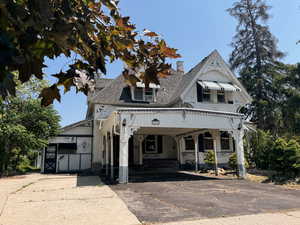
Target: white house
[{"x": 171, "y": 124}]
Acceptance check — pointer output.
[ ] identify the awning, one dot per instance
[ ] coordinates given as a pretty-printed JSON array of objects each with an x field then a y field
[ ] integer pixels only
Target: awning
[
  {"x": 219, "y": 86},
  {"x": 151, "y": 85},
  {"x": 211, "y": 85}
]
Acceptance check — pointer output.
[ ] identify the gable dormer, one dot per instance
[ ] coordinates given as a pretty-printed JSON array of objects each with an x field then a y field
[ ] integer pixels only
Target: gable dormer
[
  {"x": 213, "y": 86},
  {"x": 141, "y": 93}
]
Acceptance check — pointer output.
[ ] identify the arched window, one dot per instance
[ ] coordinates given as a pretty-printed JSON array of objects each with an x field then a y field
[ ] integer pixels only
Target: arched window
[
  {"x": 189, "y": 143},
  {"x": 225, "y": 141},
  {"x": 208, "y": 141}
]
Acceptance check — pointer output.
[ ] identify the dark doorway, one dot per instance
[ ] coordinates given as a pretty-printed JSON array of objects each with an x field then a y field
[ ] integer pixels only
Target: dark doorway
[
  {"x": 130, "y": 151},
  {"x": 50, "y": 159}
]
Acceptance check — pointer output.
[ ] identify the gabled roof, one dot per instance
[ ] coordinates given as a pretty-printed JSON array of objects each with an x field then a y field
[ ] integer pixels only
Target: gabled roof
[
  {"x": 118, "y": 92},
  {"x": 77, "y": 124},
  {"x": 172, "y": 88}
]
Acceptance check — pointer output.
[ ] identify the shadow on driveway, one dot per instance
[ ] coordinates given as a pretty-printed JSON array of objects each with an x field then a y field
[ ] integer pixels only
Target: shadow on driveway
[{"x": 166, "y": 197}]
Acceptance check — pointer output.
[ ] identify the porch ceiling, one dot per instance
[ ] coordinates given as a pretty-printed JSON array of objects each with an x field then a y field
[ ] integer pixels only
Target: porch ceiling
[{"x": 166, "y": 131}]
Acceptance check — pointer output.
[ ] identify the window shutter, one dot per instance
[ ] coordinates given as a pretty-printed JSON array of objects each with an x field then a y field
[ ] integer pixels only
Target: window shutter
[
  {"x": 199, "y": 93},
  {"x": 159, "y": 144},
  {"x": 201, "y": 143}
]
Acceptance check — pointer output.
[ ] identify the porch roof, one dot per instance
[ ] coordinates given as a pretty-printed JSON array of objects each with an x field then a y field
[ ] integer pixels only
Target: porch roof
[{"x": 213, "y": 112}]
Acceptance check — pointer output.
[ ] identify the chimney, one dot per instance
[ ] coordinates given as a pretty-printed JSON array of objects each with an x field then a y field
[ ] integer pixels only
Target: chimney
[{"x": 180, "y": 67}]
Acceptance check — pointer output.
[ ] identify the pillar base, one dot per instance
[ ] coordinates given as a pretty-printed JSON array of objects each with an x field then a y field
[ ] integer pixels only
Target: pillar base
[
  {"x": 123, "y": 174},
  {"x": 241, "y": 171}
]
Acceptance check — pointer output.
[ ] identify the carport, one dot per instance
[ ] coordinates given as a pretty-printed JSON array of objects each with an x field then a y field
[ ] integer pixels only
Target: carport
[{"x": 175, "y": 122}]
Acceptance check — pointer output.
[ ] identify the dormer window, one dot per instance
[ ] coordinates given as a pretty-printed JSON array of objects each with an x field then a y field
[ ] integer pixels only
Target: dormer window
[
  {"x": 215, "y": 92},
  {"x": 221, "y": 96},
  {"x": 206, "y": 95},
  {"x": 143, "y": 94}
]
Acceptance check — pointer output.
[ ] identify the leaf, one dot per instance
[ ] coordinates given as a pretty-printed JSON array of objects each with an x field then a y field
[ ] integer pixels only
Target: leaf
[
  {"x": 123, "y": 22},
  {"x": 49, "y": 94},
  {"x": 150, "y": 33}
]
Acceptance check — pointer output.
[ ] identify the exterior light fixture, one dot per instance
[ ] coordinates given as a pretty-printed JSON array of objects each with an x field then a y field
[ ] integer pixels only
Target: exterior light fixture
[
  {"x": 155, "y": 122},
  {"x": 124, "y": 123}
]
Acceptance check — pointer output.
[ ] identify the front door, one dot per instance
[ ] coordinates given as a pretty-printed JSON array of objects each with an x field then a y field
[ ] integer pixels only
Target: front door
[{"x": 50, "y": 159}]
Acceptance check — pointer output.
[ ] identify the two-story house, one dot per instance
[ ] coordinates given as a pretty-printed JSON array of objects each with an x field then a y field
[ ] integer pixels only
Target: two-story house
[{"x": 173, "y": 123}]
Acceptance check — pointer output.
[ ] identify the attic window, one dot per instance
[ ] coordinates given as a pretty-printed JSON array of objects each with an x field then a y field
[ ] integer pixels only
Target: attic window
[{"x": 143, "y": 94}]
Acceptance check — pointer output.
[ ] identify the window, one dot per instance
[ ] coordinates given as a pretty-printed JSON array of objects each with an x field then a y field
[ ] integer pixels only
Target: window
[
  {"x": 67, "y": 148},
  {"x": 149, "y": 94},
  {"x": 225, "y": 141},
  {"x": 189, "y": 143},
  {"x": 221, "y": 96},
  {"x": 208, "y": 141},
  {"x": 138, "y": 94},
  {"x": 206, "y": 95},
  {"x": 143, "y": 94},
  {"x": 151, "y": 144}
]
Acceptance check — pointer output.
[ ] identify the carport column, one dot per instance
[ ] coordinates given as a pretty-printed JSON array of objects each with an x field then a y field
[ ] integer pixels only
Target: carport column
[
  {"x": 111, "y": 154},
  {"x": 195, "y": 137},
  {"x": 106, "y": 155},
  {"x": 239, "y": 146},
  {"x": 181, "y": 147},
  {"x": 140, "y": 139},
  {"x": 123, "y": 156}
]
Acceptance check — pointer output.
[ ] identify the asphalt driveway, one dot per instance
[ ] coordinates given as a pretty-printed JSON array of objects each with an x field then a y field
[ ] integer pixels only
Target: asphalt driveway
[{"x": 170, "y": 197}]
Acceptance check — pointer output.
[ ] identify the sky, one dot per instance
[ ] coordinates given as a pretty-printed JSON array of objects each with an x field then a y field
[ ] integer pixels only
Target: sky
[{"x": 196, "y": 28}]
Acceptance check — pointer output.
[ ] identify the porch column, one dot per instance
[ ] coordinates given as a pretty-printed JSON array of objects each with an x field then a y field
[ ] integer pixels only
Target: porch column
[
  {"x": 181, "y": 145},
  {"x": 140, "y": 139},
  {"x": 177, "y": 140},
  {"x": 239, "y": 146},
  {"x": 195, "y": 137},
  {"x": 112, "y": 155},
  {"x": 123, "y": 156},
  {"x": 216, "y": 157},
  {"x": 106, "y": 155}
]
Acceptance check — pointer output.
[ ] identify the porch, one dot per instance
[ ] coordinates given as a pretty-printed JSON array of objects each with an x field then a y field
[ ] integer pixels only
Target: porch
[{"x": 140, "y": 138}]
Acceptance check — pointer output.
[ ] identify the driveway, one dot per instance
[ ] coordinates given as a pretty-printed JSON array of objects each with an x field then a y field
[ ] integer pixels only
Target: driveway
[
  {"x": 177, "y": 197},
  {"x": 60, "y": 200}
]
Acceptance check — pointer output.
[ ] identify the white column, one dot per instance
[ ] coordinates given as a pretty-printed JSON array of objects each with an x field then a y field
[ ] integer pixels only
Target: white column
[
  {"x": 106, "y": 155},
  {"x": 239, "y": 146},
  {"x": 195, "y": 137},
  {"x": 111, "y": 155},
  {"x": 178, "y": 149},
  {"x": 123, "y": 156},
  {"x": 216, "y": 157},
  {"x": 140, "y": 139}
]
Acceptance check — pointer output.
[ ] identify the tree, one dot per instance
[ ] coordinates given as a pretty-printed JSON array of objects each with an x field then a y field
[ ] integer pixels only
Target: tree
[
  {"x": 25, "y": 126},
  {"x": 255, "y": 55},
  {"x": 93, "y": 30}
]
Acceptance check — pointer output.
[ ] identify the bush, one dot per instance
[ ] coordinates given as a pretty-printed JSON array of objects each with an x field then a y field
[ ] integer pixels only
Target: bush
[
  {"x": 232, "y": 163},
  {"x": 209, "y": 158},
  {"x": 285, "y": 157}
]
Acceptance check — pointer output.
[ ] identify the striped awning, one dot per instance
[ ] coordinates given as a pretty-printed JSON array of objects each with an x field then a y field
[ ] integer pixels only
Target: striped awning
[
  {"x": 219, "y": 86},
  {"x": 151, "y": 85}
]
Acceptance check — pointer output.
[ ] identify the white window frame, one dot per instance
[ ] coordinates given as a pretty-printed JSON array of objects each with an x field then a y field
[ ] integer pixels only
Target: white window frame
[
  {"x": 221, "y": 93},
  {"x": 185, "y": 148},
  {"x": 229, "y": 141},
  {"x": 156, "y": 145},
  {"x": 210, "y": 95},
  {"x": 154, "y": 90}
]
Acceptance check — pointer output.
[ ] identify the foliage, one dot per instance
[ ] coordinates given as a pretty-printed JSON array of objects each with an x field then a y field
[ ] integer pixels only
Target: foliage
[
  {"x": 232, "y": 162},
  {"x": 93, "y": 31},
  {"x": 285, "y": 157},
  {"x": 255, "y": 55},
  {"x": 25, "y": 127},
  {"x": 209, "y": 157}
]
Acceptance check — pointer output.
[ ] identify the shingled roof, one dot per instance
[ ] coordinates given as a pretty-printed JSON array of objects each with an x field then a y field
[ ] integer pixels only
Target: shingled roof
[{"x": 117, "y": 92}]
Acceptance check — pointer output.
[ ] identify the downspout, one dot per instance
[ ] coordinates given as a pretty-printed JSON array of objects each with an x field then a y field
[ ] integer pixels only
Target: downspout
[{"x": 92, "y": 155}]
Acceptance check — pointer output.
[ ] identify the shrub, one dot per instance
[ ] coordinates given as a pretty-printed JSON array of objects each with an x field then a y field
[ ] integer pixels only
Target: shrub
[
  {"x": 285, "y": 157},
  {"x": 209, "y": 158},
  {"x": 232, "y": 163}
]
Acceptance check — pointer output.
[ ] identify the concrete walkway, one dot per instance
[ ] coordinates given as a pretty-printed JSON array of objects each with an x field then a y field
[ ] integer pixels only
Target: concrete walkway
[{"x": 60, "y": 199}]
